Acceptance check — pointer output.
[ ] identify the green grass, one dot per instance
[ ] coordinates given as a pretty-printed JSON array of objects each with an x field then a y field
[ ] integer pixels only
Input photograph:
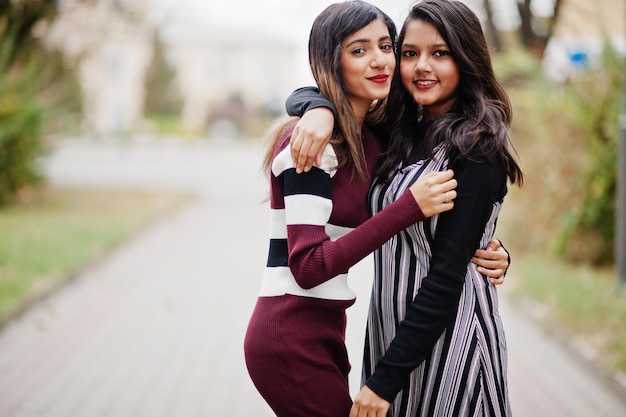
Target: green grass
[
  {"x": 53, "y": 233},
  {"x": 585, "y": 304}
]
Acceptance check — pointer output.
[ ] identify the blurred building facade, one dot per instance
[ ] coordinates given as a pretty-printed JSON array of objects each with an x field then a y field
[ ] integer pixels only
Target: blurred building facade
[
  {"x": 110, "y": 41},
  {"x": 222, "y": 73},
  {"x": 581, "y": 29}
]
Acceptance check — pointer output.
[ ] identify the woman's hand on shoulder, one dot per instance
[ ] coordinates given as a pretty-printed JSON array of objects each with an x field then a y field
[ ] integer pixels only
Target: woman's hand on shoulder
[
  {"x": 310, "y": 136},
  {"x": 434, "y": 192},
  {"x": 493, "y": 261}
]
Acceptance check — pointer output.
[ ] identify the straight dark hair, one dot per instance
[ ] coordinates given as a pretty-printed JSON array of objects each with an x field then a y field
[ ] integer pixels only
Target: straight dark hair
[{"x": 482, "y": 113}]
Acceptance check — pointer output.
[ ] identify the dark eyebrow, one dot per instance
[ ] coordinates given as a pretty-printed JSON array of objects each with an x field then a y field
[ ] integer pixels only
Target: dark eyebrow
[
  {"x": 437, "y": 45},
  {"x": 364, "y": 40}
]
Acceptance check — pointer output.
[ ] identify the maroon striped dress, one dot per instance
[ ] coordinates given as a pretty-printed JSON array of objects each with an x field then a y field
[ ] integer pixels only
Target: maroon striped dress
[{"x": 319, "y": 227}]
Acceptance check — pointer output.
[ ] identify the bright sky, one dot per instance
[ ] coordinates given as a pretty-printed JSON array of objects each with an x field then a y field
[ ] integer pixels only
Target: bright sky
[
  {"x": 266, "y": 20},
  {"x": 285, "y": 20},
  {"x": 289, "y": 17}
]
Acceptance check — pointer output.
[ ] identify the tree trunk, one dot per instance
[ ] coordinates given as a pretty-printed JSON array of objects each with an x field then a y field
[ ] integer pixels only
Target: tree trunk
[
  {"x": 555, "y": 16},
  {"x": 526, "y": 28},
  {"x": 491, "y": 31}
]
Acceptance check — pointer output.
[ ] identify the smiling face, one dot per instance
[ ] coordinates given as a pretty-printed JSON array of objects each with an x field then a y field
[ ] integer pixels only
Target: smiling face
[
  {"x": 367, "y": 65},
  {"x": 428, "y": 71}
]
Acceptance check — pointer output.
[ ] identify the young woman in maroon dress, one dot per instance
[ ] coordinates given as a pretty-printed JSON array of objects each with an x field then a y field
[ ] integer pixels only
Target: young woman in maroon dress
[
  {"x": 295, "y": 343},
  {"x": 320, "y": 225}
]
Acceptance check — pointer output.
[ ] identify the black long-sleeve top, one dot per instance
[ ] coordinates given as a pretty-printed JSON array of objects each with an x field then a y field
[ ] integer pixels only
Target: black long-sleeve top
[{"x": 480, "y": 184}]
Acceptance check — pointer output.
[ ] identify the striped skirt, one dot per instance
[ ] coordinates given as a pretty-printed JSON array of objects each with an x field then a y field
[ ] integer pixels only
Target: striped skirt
[{"x": 466, "y": 373}]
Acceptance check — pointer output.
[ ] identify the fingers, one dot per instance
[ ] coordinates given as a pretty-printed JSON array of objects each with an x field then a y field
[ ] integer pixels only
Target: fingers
[
  {"x": 449, "y": 196},
  {"x": 490, "y": 272},
  {"x": 484, "y": 258},
  {"x": 314, "y": 154},
  {"x": 309, "y": 138},
  {"x": 496, "y": 276},
  {"x": 440, "y": 176},
  {"x": 310, "y": 154},
  {"x": 305, "y": 153},
  {"x": 492, "y": 263},
  {"x": 303, "y": 159},
  {"x": 368, "y": 404},
  {"x": 442, "y": 182},
  {"x": 299, "y": 147},
  {"x": 497, "y": 281},
  {"x": 498, "y": 254},
  {"x": 435, "y": 192},
  {"x": 358, "y": 412},
  {"x": 494, "y": 244},
  {"x": 296, "y": 145},
  {"x": 318, "y": 158},
  {"x": 431, "y": 206}
]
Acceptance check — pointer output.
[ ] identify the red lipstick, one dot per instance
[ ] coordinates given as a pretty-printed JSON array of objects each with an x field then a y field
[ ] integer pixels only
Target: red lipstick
[{"x": 381, "y": 78}]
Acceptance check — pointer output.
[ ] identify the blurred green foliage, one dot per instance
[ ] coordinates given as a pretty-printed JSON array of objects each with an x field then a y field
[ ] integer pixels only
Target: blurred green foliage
[
  {"x": 593, "y": 103},
  {"x": 20, "y": 142},
  {"x": 515, "y": 66},
  {"x": 35, "y": 87},
  {"x": 566, "y": 135},
  {"x": 559, "y": 225}
]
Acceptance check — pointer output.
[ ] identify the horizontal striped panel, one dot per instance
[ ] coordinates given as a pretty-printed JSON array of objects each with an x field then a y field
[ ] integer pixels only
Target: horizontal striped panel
[
  {"x": 279, "y": 281},
  {"x": 278, "y": 254},
  {"x": 282, "y": 161},
  {"x": 314, "y": 182},
  {"x": 278, "y": 226},
  {"x": 307, "y": 209}
]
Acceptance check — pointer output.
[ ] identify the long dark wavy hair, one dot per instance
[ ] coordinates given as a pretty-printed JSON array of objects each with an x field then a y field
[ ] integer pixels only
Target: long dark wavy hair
[
  {"x": 481, "y": 115},
  {"x": 330, "y": 28}
]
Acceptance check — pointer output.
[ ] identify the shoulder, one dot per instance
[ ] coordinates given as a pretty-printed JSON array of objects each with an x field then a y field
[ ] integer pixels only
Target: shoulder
[
  {"x": 479, "y": 173},
  {"x": 484, "y": 159},
  {"x": 282, "y": 149},
  {"x": 282, "y": 153}
]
